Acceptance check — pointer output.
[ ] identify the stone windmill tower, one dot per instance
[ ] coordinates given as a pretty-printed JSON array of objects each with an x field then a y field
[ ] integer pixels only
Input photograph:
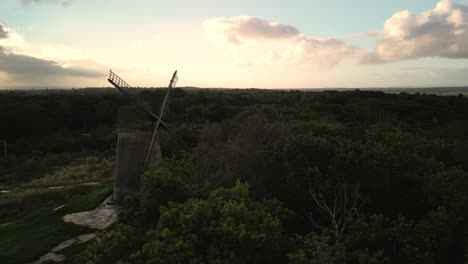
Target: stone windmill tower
[{"x": 140, "y": 134}]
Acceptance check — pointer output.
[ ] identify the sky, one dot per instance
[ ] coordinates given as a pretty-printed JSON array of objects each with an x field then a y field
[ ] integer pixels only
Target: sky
[{"x": 234, "y": 44}]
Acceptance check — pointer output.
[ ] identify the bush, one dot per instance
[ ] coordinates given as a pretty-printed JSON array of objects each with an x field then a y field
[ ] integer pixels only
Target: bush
[{"x": 227, "y": 227}]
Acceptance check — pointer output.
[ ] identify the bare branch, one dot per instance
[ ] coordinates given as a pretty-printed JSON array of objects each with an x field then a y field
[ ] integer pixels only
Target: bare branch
[{"x": 340, "y": 213}]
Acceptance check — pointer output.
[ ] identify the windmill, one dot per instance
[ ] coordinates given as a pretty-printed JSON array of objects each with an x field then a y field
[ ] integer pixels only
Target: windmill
[{"x": 136, "y": 150}]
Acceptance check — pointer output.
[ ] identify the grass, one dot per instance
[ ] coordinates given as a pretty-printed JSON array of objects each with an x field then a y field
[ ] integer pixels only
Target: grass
[
  {"x": 21, "y": 169},
  {"x": 89, "y": 201},
  {"x": 25, "y": 196},
  {"x": 18, "y": 204},
  {"x": 53, "y": 170},
  {"x": 34, "y": 234},
  {"x": 86, "y": 169}
]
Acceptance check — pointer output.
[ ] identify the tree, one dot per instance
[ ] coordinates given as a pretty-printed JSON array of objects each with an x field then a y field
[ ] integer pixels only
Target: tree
[
  {"x": 339, "y": 212},
  {"x": 317, "y": 249},
  {"x": 227, "y": 227}
]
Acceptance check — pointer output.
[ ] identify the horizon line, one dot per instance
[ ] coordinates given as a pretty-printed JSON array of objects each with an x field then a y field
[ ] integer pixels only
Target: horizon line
[{"x": 237, "y": 88}]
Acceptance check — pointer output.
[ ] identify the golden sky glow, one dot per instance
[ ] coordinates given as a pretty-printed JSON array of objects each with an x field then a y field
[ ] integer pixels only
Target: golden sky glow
[{"x": 57, "y": 43}]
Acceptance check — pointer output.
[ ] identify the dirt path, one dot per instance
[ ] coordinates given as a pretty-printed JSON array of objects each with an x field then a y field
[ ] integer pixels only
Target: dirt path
[
  {"x": 55, "y": 257},
  {"x": 100, "y": 218}
]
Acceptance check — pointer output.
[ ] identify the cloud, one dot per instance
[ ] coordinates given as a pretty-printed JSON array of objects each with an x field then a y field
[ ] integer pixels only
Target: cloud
[
  {"x": 9, "y": 38},
  {"x": 28, "y": 69},
  {"x": 322, "y": 53},
  {"x": 237, "y": 30},
  {"x": 285, "y": 43},
  {"x": 23, "y": 66},
  {"x": 362, "y": 35},
  {"x": 440, "y": 32},
  {"x": 3, "y": 32},
  {"x": 62, "y": 2}
]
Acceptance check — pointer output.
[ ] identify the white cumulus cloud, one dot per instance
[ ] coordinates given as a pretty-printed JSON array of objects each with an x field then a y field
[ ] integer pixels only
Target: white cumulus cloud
[
  {"x": 3, "y": 33},
  {"x": 9, "y": 38},
  {"x": 237, "y": 30},
  {"x": 440, "y": 32},
  {"x": 285, "y": 43}
]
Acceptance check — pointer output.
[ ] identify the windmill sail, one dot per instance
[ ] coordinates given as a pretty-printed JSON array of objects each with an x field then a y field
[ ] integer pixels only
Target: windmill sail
[
  {"x": 132, "y": 93},
  {"x": 149, "y": 151}
]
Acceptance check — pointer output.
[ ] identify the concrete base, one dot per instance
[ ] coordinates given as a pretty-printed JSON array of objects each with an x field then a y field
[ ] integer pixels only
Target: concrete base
[
  {"x": 131, "y": 149},
  {"x": 135, "y": 130}
]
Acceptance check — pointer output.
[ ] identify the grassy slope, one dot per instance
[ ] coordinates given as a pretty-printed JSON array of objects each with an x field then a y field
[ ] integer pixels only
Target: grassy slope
[
  {"x": 41, "y": 229},
  {"x": 71, "y": 170},
  {"x": 27, "y": 196}
]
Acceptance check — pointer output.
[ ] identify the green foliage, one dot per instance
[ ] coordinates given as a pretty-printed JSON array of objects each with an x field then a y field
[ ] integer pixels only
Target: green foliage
[
  {"x": 317, "y": 249},
  {"x": 433, "y": 236},
  {"x": 448, "y": 188},
  {"x": 227, "y": 227},
  {"x": 110, "y": 246},
  {"x": 161, "y": 186},
  {"x": 406, "y": 152},
  {"x": 407, "y": 241}
]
